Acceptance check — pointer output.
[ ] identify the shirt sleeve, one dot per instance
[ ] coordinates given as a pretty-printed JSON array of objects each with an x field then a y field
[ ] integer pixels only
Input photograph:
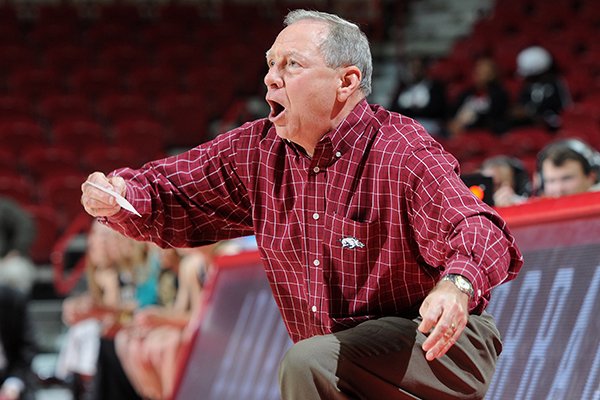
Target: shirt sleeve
[
  {"x": 454, "y": 231},
  {"x": 187, "y": 200}
]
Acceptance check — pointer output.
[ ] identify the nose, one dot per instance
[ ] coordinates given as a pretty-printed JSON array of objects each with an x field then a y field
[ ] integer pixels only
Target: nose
[{"x": 273, "y": 79}]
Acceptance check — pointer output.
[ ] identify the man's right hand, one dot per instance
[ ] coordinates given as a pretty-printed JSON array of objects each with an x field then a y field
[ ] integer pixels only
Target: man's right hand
[{"x": 96, "y": 202}]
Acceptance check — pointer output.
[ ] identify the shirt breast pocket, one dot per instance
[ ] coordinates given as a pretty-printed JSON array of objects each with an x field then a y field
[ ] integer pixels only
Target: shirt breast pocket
[{"x": 352, "y": 250}]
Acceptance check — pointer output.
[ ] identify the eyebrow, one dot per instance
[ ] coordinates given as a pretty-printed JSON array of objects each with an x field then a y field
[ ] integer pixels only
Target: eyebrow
[{"x": 289, "y": 53}]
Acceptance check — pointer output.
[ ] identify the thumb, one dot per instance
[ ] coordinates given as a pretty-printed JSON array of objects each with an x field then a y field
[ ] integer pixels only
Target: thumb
[{"x": 119, "y": 185}]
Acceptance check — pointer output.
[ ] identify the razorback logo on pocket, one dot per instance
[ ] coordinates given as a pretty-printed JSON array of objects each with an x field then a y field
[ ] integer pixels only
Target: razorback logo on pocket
[{"x": 351, "y": 243}]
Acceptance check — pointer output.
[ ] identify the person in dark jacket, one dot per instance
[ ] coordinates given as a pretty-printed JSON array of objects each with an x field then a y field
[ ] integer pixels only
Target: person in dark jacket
[
  {"x": 17, "y": 346},
  {"x": 484, "y": 104}
]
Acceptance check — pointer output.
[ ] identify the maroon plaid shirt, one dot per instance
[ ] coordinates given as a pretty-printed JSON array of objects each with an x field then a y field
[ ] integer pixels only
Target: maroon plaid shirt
[{"x": 363, "y": 229}]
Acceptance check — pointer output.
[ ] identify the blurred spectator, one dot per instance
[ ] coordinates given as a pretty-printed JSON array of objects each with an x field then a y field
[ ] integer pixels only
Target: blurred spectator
[
  {"x": 484, "y": 104},
  {"x": 17, "y": 346},
  {"x": 121, "y": 276},
  {"x": 17, "y": 232},
  {"x": 421, "y": 97},
  {"x": 543, "y": 95},
  {"x": 568, "y": 166},
  {"x": 511, "y": 180},
  {"x": 149, "y": 347}
]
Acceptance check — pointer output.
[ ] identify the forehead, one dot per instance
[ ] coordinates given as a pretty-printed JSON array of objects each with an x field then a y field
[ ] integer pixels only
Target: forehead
[
  {"x": 569, "y": 167},
  {"x": 302, "y": 37}
]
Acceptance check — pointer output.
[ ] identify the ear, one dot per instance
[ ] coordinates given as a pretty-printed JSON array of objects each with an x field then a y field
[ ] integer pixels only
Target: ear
[{"x": 350, "y": 82}]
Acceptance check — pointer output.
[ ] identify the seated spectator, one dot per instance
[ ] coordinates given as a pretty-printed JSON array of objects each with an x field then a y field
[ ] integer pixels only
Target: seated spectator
[
  {"x": 421, "y": 97},
  {"x": 17, "y": 232},
  {"x": 568, "y": 166},
  {"x": 116, "y": 266},
  {"x": 511, "y": 180},
  {"x": 484, "y": 104},
  {"x": 17, "y": 346},
  {"x": 543, "y": 95},
  {"x": 149, "y": 347}
]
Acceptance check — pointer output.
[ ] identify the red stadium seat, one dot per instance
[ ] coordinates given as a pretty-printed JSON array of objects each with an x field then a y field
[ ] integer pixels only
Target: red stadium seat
[
  {"x": 41, "y": 162},
  {"x": 46, "y": 34},
  {"x": 14, "y": 57},
  {"x": 526, "y": 141},
  {"x": 34, "y": 82},
  {"x": 17, "y": 187},
  {"x": 95, "y": 82},
  {"x": 79, "y": 134},
  {"x": 106, "y": 33},
  {"x": 66, "y": 58},
  {"x": 62, "y": 192},
  {"x": 61, "y": 107},
  {"x": 12, "y": 106},
  {"x": 145, "y": 134},
  {"x": 106, "y": 159},
  {"x": 116, "y": 106},
  {"x": 149, "y": 81},
  {"x": 185, "y": 115},
  {"x": 123, "y": 56},
  {"x": 19, "y": 132}
]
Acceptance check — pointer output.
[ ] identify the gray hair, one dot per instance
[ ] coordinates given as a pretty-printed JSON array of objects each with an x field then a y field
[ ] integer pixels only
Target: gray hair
[{"x": 345, "y": 44}]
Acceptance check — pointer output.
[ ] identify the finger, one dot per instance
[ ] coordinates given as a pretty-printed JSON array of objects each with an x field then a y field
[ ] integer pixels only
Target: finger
[
  {"x": 430, "y": 316},
  {"x": 447, "y": 340},
  {"x": 444, "y": 329}
]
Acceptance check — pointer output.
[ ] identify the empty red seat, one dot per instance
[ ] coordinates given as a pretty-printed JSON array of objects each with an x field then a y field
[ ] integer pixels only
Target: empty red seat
[
  {"x": 526, "y": 141},
  {"x": 123, "y": 56},
  {"x": 116, "y": 106},
  {"x": 17, "y": 187},
  {"x": 186, "y": 118},
  {"x": 19, "y": 132},
  {"x": 62, "y": 191},
  {"x": 145, "y": 134},
  {"x": 66, "y": 57},
  {"x": 41, "y": 162},
  {"x": 15, "y": 56},
  {"x": 106, "y": 159},
  {"x": 149, "y": 81},
  {"x": 79, "y": 134},
  {"x": 61, "y": 107},
  {"x": 95, "y": 82},
  {"x": 12, "y": 106},
  {"x": 35, "y": 82}
]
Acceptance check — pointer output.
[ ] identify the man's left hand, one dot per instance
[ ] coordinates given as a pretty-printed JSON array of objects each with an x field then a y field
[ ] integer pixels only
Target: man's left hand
[{"x": 445, "y": 312}]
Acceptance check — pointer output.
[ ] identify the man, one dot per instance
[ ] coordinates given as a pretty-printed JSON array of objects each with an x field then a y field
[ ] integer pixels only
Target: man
[
  {"x": 375, "y": 250},
  {"x": 568, "y": 166}
]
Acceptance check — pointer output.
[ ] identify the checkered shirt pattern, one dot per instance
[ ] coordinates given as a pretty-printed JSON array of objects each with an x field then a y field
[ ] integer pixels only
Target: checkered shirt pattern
[{"x": 378, "y": 180}]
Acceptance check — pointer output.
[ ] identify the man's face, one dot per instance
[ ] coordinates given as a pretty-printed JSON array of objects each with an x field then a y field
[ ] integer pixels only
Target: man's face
[
  {"x": 301, "y": 88},
  {"x": 566, "y": 179}
]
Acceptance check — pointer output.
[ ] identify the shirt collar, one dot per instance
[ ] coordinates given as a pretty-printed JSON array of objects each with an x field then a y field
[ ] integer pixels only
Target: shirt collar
[{"x": 338, "y": 141}]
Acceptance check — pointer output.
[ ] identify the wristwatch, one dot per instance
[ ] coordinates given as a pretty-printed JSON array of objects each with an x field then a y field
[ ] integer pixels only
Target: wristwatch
[{"x": 461, "y": 283}]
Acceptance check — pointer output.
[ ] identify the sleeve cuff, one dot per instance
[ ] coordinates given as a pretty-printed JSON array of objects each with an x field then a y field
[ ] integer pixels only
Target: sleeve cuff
[{"x": 474, "y": 274}]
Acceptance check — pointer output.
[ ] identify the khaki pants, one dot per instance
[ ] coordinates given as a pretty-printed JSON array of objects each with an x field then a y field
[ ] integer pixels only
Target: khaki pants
[{"x": 382, "y": 359}]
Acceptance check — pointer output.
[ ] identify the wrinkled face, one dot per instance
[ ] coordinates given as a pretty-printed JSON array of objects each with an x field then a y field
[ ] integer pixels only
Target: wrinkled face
[
  {"x": 569, "y": 178},
  {"x": 301, "y": 88}
]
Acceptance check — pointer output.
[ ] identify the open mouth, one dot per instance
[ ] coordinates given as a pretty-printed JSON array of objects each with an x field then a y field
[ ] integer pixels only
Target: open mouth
[{"x": 276, "y": 110}]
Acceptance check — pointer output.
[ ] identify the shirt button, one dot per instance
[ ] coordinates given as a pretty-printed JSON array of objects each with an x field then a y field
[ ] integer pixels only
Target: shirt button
[
  {"x": 316, "y": 263},
  {"x": 316, "y": 216},
  {"x": 338, "y": 154},
  {"x": 316, "y": 169},
  {"x": 314, "y": 308},
  {"x": 479, "y": 293}
]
